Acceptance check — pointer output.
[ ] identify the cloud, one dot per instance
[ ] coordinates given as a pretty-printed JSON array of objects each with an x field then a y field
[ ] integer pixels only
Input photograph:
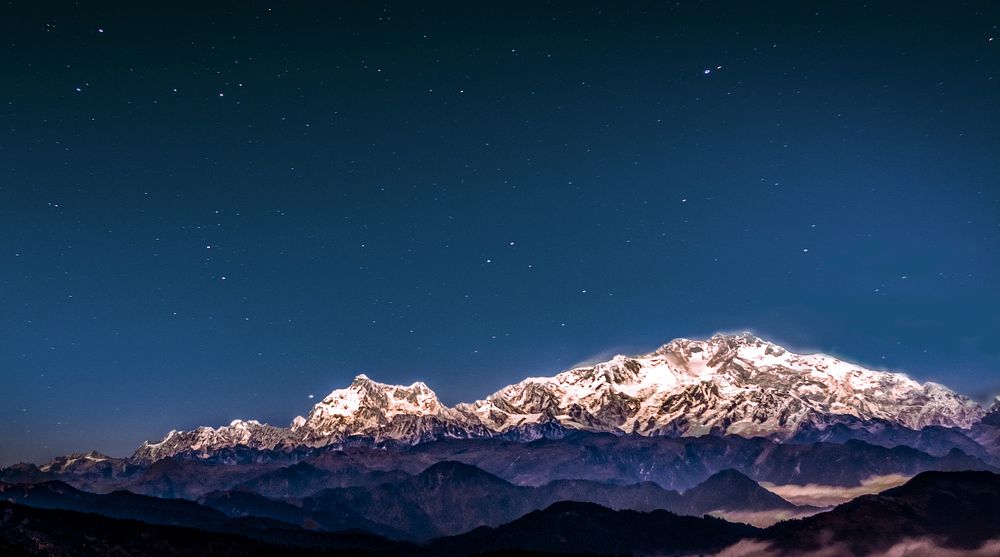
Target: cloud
[
  {"x": 819, "y": 495},
  {"x": 910, "y": 547},
  {"x": 927, "y": 548},
  {"x": 757, "y": 548},
  {"x": 763, "y": 519},
  {"x": 747, "y": 548}
]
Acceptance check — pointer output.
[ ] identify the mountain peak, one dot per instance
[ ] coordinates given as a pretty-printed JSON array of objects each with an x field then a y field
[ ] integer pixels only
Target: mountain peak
[
  {"x": 729, "y": 383},
  {"x": 77, "y": 461},
  {"x": 719, "y": 343},
  {"x": 746, "y": 337},
  {"x": 452, "y": 472},
  {"x": 732, "y": 490},
  {"x": 364, "y": 407}
]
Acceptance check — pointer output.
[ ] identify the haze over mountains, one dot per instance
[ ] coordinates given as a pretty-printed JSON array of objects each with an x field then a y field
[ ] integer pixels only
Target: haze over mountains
[{"x": 936, "y": 513}]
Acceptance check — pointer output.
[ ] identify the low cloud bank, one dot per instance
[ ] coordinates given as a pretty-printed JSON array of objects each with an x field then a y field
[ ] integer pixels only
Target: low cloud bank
[
  {"x": 818, "y": 495},
  {"x": 919, "y": 547},
  {"x": 763, "y": 519}
]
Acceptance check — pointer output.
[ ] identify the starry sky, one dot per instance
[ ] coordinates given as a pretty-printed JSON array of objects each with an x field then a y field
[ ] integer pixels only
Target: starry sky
[{"x": 214, "y": 211}]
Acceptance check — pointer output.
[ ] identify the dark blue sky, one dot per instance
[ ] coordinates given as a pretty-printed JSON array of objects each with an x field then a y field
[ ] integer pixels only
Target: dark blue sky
[{"x": 213, "y": 212}]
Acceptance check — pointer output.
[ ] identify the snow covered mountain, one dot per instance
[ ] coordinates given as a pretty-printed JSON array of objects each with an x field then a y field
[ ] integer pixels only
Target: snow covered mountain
[
  {"x": 382, "y": 412},
  {"x": 206, "y": 440},
  {"x": 728, "y": 384}
]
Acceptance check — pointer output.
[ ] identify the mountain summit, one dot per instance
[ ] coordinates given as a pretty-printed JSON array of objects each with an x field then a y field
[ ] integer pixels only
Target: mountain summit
[
  {"x": 380, "y": 412},
  {"x": 727, "y": 384}
]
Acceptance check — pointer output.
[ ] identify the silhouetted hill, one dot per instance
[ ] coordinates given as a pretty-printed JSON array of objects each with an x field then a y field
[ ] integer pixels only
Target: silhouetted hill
[
  {"x": 645, "y": 496},
  {"x": 238, "y": 504},
  {"x": 303, "y": 479},
  {"x": 586, "y": 528},
  {"x": 60, "y": 533},
  {"x": 118, "y": 504},
  {"x": 730, "y": 490},
  {"x": 180, "y": 512}
]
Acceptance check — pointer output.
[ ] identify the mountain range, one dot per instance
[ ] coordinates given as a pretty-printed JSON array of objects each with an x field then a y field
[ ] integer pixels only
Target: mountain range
[
  {"x": 685, "y": 450},
  {"x": 725, "y": 385}
]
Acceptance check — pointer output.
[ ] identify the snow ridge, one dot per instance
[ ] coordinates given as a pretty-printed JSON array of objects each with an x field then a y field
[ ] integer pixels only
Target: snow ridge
[{"x": 727, "y": 384}]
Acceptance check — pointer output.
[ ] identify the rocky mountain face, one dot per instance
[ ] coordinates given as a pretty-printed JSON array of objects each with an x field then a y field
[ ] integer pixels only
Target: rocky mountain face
[{"x": 726, "y": 385}]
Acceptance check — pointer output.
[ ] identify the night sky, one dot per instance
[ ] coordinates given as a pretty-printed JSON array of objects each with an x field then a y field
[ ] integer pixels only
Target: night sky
[{"x": 214, "y": 212}]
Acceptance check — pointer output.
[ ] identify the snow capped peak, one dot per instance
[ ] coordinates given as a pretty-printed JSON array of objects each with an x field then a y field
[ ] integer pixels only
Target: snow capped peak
[
  {"x": 361, "y": 380},
  {"x": 243, "y": 424},
  {"x": 364, "y": 393},
  {"x": 736, "y": 384},
  {"x": 719, "y": 343},
  {"x": 746, "y": 338},
  {"x": 366, "y": 405},
  {"x": 77, "y": 461},
  {"x": 206, "y": 440}
]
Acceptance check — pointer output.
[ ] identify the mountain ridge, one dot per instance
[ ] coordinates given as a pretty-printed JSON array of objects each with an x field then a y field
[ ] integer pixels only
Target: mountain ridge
[{"x": 727, "y": 384}]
